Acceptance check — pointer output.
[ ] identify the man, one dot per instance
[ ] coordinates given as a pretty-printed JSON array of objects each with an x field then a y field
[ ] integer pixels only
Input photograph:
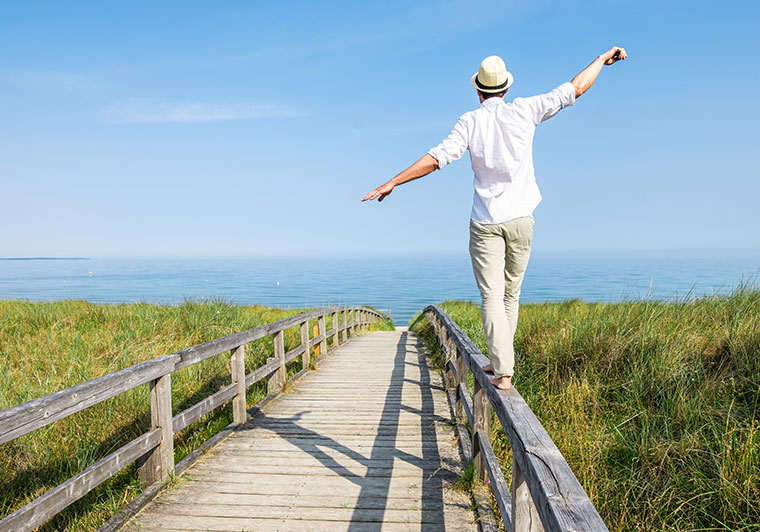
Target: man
[{"x": 499, "y": 137}]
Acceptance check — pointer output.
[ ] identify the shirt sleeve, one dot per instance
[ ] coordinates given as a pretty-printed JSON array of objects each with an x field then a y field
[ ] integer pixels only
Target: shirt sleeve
[
  {"x": 545, "y": 106},
  {"x": 453, "y": 146}
]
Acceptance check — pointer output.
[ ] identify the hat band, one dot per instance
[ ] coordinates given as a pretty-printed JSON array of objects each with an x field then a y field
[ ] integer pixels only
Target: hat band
[{"x": 491, "y": 87}]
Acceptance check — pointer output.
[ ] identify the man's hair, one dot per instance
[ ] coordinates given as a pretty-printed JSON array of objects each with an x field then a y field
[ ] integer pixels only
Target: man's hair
[{"x": 487, "y": 95}]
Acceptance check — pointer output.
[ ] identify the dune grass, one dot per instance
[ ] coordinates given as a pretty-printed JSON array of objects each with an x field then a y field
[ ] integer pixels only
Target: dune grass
[
  {"x": 654, "y": 405},
  {"x": 45, "y": 347}
]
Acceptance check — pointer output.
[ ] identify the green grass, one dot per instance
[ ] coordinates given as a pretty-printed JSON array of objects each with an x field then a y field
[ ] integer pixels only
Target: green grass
[
  {"x": 45, "y": 347},
  {"x": 654, "y": 405}
]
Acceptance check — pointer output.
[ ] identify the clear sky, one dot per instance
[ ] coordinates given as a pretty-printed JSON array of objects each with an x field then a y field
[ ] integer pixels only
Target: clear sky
[{"x": 254, "y": 128}]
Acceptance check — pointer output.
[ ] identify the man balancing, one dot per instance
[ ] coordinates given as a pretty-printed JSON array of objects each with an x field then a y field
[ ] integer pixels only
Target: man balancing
[{"x": 499, "y": 136}]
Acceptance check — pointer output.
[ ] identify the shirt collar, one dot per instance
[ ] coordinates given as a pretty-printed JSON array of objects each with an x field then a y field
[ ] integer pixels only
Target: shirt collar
[{"x": 491, "y": 102}]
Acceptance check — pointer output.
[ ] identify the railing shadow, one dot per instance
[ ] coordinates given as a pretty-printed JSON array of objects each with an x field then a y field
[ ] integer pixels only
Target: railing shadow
[{"x": 375, "y": 484}]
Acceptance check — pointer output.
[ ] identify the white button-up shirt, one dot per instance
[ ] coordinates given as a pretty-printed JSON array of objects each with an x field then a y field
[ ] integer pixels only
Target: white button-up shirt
[{"x": 499, "y": 136}]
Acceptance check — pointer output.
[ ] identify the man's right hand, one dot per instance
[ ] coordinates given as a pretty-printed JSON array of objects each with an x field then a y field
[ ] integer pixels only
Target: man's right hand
[
  {"x": 609, "y": 55},
  {"x": 382, "y": 191}
]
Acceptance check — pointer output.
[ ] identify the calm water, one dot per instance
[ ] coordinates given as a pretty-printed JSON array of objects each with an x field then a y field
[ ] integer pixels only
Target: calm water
[{"x": 402, "y": 285}]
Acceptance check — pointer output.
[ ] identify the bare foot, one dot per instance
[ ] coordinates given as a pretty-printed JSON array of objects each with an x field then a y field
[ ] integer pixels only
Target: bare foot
[
  {"x": 502, "y": 383},
  {"x": 488, "y": 368}
]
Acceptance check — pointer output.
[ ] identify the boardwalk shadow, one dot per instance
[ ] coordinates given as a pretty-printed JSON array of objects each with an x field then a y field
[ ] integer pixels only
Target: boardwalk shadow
[{"x": 375, "y": 484}]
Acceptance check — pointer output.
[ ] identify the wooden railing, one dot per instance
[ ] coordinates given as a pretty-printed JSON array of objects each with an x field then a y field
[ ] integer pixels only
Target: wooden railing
[
  {"x": 155, "y": 449},
  {"x": 546, "y": 495}
]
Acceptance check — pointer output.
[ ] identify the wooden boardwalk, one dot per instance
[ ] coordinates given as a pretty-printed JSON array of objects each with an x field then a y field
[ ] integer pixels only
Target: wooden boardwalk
[{"x": 366, "y": 443}]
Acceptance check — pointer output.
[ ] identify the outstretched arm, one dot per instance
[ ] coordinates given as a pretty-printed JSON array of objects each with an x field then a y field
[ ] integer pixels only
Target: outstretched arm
[
  {"x": 422, "y": 167},
  {"x": 583, "y": 81}
]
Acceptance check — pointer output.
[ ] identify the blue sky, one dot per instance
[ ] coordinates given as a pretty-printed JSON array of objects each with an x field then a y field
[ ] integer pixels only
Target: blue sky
[{"x": 248, "y": 128}]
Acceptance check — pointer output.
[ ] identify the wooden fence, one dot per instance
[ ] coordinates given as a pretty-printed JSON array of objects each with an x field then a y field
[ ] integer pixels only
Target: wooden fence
[
  {"x": 155, "y": 449},
  {"x": 545, "y": 495}
]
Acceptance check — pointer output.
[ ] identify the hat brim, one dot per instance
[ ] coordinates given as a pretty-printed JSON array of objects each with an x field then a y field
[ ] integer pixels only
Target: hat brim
[{"x": 474, "y": 83}]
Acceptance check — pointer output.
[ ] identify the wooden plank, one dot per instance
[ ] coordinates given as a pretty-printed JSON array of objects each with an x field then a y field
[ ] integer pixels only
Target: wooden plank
[
  {"x": 159, "y": 463},
  {"x": 288, "y": 523},
  {"x": 42, "y": 509},
  {"x": 205, "y": 350},
  {"x": 524, "y": 513},
  {"x": 197, "y": 411},
  {"x": 266, "y": 511},
  {"x": 294, "y": 353},
  {"x": 465, "y": 401},
  {"x": 326, "y": 461},
  {"x": 317, "y": 500},
  {"x": 237, "y": 370},
  {"x": 279, "y": 354},
  {"x": 305, "y": 358},
  {"x": 323, "y": 335},
  {"x": 261, "y": 373},
  {"x": 498, "y": 484},
  {"x": 37, "y": 413},
  {"x": 561, "y": 501},
  {"x": 462, "y": 375},
  {"x": 481, "y": 422}
]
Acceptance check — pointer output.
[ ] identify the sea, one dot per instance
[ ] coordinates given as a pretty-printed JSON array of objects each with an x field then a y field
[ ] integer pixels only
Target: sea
[{"x": 401, "y": 286}]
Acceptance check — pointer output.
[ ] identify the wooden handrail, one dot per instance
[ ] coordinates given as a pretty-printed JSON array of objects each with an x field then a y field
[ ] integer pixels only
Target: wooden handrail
[
  {"x": 154, "y": 450},
  {"x": 546, "y": 495}
]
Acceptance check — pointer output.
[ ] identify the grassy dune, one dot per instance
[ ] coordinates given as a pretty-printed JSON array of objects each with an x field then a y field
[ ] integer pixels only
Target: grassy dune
[
  {"x": 654, "y": 405},
  {"x": 45, "y": 347}
]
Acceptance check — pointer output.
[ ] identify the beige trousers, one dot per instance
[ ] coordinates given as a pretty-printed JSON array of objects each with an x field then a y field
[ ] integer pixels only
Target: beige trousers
[{"x": 500, "y": 254}]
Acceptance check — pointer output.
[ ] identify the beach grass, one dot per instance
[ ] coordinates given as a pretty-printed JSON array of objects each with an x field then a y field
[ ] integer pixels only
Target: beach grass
[
  {"x": 46, "y": 347},
  {"x": 654, "y": 405}
]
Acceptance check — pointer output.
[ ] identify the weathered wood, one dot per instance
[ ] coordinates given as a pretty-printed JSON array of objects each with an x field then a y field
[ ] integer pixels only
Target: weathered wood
[
  {"x": 205, "y": 350},
  {"x": 336, "y": 329},
  {"x": 159, "y": 463},
  {"x": 237, "y": 370},
  {"x": 305, "y": 356},
  {"x": 524, "y": 513},
  {"x": 43, "y": 508},
  {"x": 274, "y": 385},
  {"x": 462, "y": 376},
  {"x": 262, "y": 372},
  {"x": 198, "y": 410},
  {"x": 279, "y": 354},
  {"x": 315, "y": 333},
  {"x": 466, "y": 402},
  {"x": 322, "y": 335},
  {"x": 349, "y": 464},
  {"x": 498, "y": 484},
  {"x": 29, "y": 416},
  {"x": 156, "y": 456},
  {"x": 37, "y": 413},
  {"x": 316, "y": 341},
  {"x": 293, "y": 353},
  {"x": 481, "y": 423},
  {"x": 561, "y": 502}
]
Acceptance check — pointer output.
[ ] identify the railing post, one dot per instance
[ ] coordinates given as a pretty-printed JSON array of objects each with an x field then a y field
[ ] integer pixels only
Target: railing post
[
  {"x": 159, "y": 465},
  {"x": 315, "y": 333},
  {"x": 481, "y": 423},
  {"x": 353, "y": 322},
  {"x": 451, "y": 378},
  {"x": 323, "y": 332},
  {"x": 279, "y": 352},
  {"x": 462, "y": 377},
  {"x": 277, "y": 379},
  {"x": 305, "y": 356},
  {"x": 345, "y": 325},
  {"x": 237, "y": 368},
  {"x": 525, "y": 516},
  {"x": 336, "y": 330}
]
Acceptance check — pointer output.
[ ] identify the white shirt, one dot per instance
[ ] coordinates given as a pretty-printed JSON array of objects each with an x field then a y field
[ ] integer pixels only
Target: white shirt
[{"x": 499, "y": 136}]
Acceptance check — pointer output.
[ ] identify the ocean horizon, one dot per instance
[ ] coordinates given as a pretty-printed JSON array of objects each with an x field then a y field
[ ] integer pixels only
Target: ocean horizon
[{"x": 401, "y": 285}]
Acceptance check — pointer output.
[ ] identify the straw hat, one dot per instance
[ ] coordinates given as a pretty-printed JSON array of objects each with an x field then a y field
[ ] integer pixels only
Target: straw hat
[{"x": 492, "y": 76}]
